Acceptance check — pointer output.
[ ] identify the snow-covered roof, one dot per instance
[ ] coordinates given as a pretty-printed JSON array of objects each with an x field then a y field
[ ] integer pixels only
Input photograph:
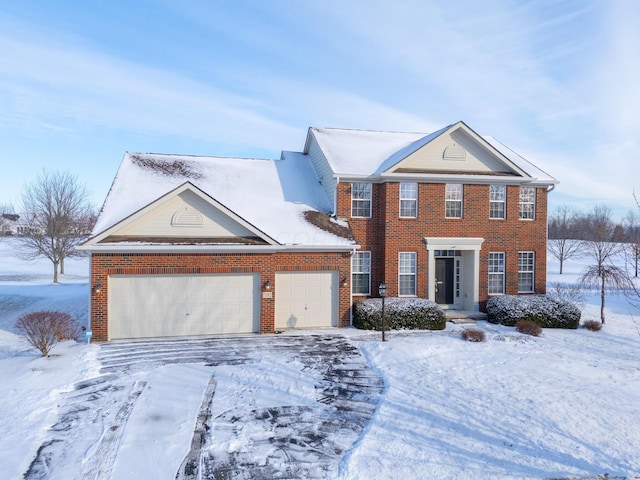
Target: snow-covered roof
[
  {"x": 521, "y": 162},
  {"x": 361, "y": 152},
  {"x": 271, "y": 195},
  {"x": 370, "y": 153}
]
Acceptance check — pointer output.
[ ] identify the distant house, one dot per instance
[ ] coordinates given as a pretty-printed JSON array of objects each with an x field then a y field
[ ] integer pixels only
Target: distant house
[{"x": 189, "y": 245}]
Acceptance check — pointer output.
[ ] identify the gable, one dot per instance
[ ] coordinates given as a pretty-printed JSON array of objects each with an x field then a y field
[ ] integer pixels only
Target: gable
[
  {"x": 185, "y": 215},
  {"x": 456, "y": 151}
]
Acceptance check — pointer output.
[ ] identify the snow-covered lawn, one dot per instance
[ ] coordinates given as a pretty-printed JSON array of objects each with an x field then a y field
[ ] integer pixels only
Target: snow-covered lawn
[{"x": 563, "y": 405}]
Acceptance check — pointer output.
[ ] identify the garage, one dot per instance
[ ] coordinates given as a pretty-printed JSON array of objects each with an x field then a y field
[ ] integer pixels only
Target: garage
[
  {"x": 173, "y": 305},
  {"x": 306, "y": 299}
]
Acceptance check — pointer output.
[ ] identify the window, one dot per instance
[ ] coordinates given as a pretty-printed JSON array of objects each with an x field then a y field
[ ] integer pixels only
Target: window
[
  {"x": 527, "y": 203},
  {"x": 496, "y": 273},
  {"x": 453, "y": 200},
  {"x": 526, "y": 262},
  {"x": 497, "y": 201},
  {"x": 361, "y": 273},
  {"x": 407, "y": 273},
  {"x": 361, "y": 200},
  {"x": 409, "y": 200}
]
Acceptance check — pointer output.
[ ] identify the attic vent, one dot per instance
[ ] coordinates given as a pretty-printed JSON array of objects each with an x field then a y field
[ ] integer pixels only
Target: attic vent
[
  {"x": 454, "y": 152},
  {"x": 186, "y": 218}
]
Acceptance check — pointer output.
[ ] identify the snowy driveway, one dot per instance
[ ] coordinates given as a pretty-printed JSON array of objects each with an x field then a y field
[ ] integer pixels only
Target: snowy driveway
[{"x": 288, "y": 406}]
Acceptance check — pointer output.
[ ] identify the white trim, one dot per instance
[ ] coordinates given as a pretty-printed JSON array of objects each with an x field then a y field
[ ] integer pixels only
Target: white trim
[
  {"x": 470, "y": 294},
  {"x": 187, "y": 186}
]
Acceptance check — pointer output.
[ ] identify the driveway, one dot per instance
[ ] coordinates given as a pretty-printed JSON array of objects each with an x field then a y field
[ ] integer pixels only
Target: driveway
[{"x": 256, "y": 407}]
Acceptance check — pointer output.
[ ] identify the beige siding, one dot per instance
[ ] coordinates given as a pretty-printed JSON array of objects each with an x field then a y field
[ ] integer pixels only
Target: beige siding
[
  {"x": 185, "y": 215},
  {"x": 477, "y": 158},
  {"x": 323, "y": 170}
]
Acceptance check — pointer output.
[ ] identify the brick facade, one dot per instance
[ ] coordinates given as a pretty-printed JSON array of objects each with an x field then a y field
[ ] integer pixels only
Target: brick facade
[
  {"x": 386, "y": 234},
  {"x": 266, "y": 264}
]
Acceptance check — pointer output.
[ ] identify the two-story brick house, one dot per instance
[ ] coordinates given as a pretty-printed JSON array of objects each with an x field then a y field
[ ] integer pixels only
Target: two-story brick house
[{"x": 202, "y": 245}]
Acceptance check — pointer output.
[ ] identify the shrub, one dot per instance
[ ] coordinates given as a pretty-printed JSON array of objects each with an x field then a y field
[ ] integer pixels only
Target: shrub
[
  {"x": 45, "y": 329},
  {"x": 399, "y": 314},
  {"x": 548, "y": 312},
  {"x": 593, "y": 325},
  {"x": 528, "y": 327},
  {"x": 473, "y": 335}
]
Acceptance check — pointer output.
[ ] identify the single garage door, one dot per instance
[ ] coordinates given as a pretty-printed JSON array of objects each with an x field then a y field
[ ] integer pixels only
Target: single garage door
[
  {"x": 306, "y": 299},
  {"x": 174, "y": 305}
]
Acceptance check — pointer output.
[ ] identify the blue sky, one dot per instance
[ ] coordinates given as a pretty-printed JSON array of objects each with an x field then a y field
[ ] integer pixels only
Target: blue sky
[{"x": 83, "y": 82}]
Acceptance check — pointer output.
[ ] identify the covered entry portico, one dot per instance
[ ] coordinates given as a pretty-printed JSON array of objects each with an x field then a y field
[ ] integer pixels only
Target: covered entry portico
[{"x": 453, "y": 271}]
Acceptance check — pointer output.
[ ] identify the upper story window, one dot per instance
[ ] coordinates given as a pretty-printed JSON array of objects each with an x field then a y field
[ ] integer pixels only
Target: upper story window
[
  {"x": 527, "y": 205},
  {"x": 361, "y": 273},
  {"x": 497, "y": 201},
  {"x": 526, "y": 269},
  {"x": 407, "y": 273},
  {"x": 496, "y": 273},
  {"x": 409, "y": 200},
  {"x": 453, "y": 200},
  {"x": 361, "y": 200}
]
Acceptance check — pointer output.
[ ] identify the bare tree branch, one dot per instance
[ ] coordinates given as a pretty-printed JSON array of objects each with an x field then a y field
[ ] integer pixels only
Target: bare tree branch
[{"x": 59, "y": 215}]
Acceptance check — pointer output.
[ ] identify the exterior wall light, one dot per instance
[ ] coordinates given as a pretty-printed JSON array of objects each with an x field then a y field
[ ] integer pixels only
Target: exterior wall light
[
  {"x": 267, "y": 285},
  {"x": 97, "y": 288},
  {"x": 344, "y": 282}
]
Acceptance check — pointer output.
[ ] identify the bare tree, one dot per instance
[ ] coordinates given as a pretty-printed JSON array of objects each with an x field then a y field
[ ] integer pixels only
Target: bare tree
[
  {"x": 563, "y": 235},
  {"x": 602, "y": 251},
  {"x": 632, "y": 240},
  {"x": 58, "y": 213}
]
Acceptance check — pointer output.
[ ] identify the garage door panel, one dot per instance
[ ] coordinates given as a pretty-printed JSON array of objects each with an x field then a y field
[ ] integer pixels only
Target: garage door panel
[
  {"x": 306, "y": 299},
  {"x": 174, "y": 305}
]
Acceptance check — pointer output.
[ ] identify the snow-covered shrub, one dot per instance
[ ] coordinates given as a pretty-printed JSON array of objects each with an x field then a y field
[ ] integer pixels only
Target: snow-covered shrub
[
  {"x": 548, "y": 312},
  {"x": 473, "y": 335},
  {"x": 528, "y": 327},
  {"x": 45, "y": 329},
  {"x": 593, "y": 325},
  {"x": 399, "y": 314}
]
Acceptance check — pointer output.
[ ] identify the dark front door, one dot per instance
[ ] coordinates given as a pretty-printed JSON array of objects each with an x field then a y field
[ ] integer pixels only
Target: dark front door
[{"x": 444, "y": 280}]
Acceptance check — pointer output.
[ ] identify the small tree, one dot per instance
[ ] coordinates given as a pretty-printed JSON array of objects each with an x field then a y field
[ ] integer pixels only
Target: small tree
[
  {"x": 602, "y": 250},
  {"x": 59, "y": 216},
  {"x": 632, "y": 239},
  {"x": 45, "y": 329},
  {"x": 563, "y": 234}
]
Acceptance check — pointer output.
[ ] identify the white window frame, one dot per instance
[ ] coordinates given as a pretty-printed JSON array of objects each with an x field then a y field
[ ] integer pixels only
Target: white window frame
[
  {"x": 526, "y": 271},
  {"x": 497, "y": 202},
  {"x": 454, "y": 193},
  {"x": 407, "y": 268},
  {"x": 408, "y": 200},
  {"x": 361, "y": 266},
  {"x": 361, "y": 199},
  {"x": 496, "y": 268},
  {"x": 527, "y": 203}
]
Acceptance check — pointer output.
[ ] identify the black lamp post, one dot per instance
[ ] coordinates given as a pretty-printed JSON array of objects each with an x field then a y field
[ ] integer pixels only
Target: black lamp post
[{"x": 382, "y": 290}]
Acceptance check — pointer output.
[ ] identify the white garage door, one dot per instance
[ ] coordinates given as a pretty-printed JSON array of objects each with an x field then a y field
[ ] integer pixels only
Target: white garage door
[
  {"x": 174, "y": 305},
  {"x": 306, "y": 299}
]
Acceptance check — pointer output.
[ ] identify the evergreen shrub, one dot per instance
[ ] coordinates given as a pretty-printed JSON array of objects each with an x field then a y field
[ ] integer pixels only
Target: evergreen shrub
[
  {"x": 548, "y": 312},
  {"x": 399, "y": 314}
]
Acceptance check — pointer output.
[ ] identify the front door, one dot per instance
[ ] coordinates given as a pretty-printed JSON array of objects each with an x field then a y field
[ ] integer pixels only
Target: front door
[{"x": 444, "y": 281}]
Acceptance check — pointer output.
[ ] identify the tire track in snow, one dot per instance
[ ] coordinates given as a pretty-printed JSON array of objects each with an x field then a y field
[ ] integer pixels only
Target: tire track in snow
[{"x": 100, "y": 465}]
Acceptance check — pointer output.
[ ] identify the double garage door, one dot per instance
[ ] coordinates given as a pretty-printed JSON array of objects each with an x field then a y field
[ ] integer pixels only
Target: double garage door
[{"x": 175, "y": 305}]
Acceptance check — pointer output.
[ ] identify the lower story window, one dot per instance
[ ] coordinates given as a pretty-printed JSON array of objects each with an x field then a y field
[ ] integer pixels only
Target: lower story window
[
  {"x": 526, "y": 269},
  {"x": 407, "y": 273},
  {"x": 361, "y": 273},
  {"x": 496, "y": 273}
]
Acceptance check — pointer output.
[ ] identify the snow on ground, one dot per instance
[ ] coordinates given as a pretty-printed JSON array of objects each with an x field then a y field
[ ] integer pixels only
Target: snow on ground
[{"x": 563, "y": 405}]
